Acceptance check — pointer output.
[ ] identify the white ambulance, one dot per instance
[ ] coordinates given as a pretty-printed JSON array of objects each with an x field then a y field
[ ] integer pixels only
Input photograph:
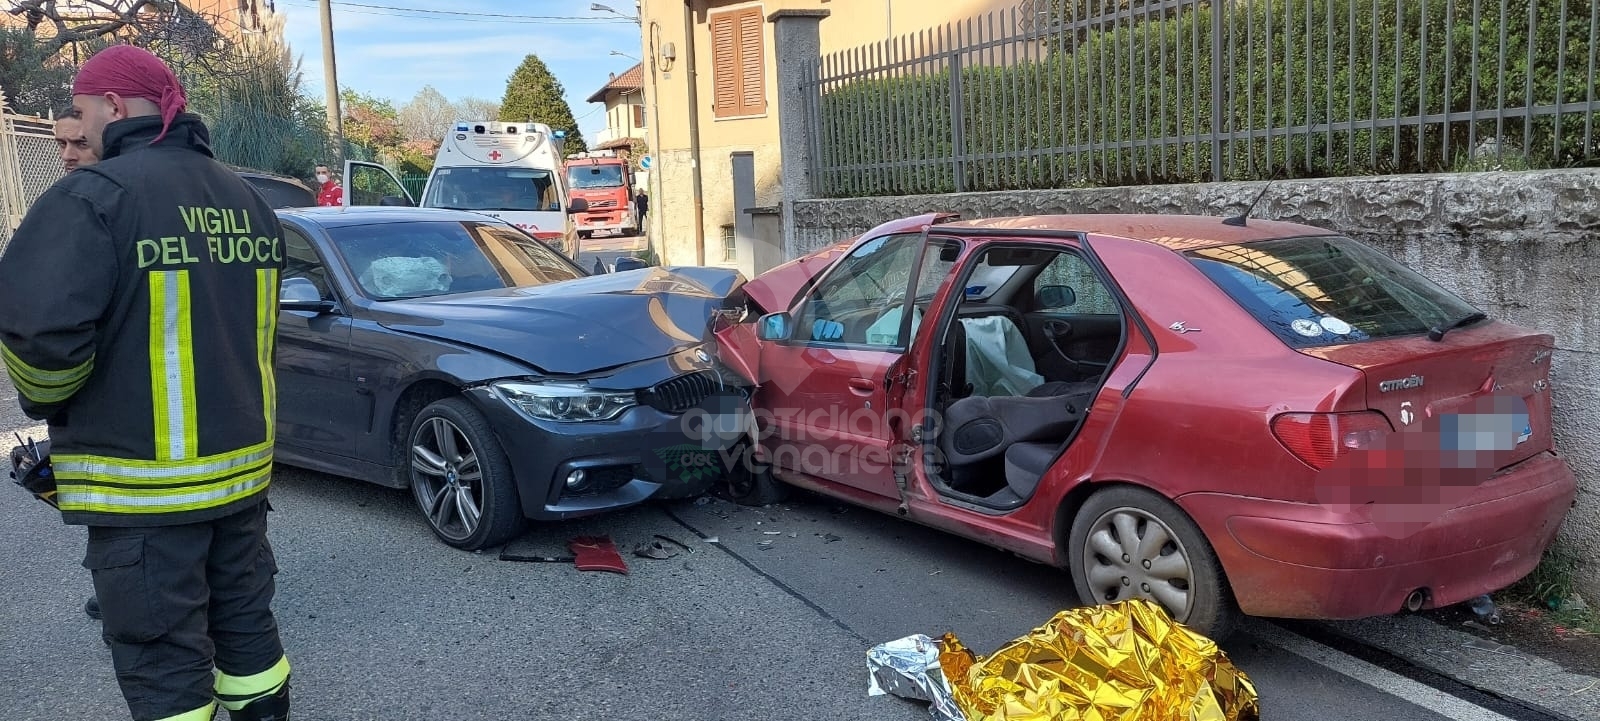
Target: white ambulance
[{"x": 512, "y": 171}]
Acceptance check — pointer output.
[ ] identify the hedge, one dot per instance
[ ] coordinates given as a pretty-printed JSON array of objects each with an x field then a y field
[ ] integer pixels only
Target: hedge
[{"x": 1152, "y": 79}]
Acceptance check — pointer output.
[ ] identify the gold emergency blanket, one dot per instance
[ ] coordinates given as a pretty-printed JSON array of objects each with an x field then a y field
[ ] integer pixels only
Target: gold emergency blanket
[{"x": 1121, "y": 662}]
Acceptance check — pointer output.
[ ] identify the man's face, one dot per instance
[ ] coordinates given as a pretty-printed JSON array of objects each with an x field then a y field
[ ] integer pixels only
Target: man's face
[
  {"x": 96, "y": 112},
  {"x": 75, "y": 150},
  {"x": 322, "y": 174}
]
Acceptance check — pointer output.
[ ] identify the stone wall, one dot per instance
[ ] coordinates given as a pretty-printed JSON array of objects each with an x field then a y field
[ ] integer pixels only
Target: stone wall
[{"x": 1524, "y": 246}]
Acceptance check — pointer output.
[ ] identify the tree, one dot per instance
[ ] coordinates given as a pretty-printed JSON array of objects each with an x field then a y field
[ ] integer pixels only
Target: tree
[
  {"x": 477, "y": 109},
  {"x": 34, "y": 80},
  {"x": 370, "y": 121},
  {"x": 104, "y": 18},
  {"x": 534, "y": 95},
  {"x": 428, "y": 116}
]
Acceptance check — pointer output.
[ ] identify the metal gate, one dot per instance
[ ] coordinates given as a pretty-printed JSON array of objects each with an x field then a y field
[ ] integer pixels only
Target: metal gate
[{"x": 29, "y": 164}]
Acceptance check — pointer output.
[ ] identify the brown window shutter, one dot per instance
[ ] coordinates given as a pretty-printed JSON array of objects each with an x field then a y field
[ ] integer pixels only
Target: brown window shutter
[
  {"x": 725, "y": 64},
  {"x": 638, "y": 116},
  {"x": 752, "y": 63}
]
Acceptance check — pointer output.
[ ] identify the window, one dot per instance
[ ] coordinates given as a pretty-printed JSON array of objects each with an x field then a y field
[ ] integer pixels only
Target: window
[
  {"x": 730, "y": 245},
  {"x": 638, "y": 116},
  {"x": 301, "y": 261},
  {"x": 590, "y": 177},
  {"x": 738, "y": 63},
  {"x": 419, "y": 259},
  {"x": 1328, "y": 290},
  {"x": 473, "y": 188},
  {"x": 861, "y": 300},
  {"x": 1088, "y": 294}
]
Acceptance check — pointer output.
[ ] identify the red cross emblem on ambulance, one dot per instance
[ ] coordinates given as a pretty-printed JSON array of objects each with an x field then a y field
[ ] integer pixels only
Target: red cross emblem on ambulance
[{"x": 494, "y": 155}]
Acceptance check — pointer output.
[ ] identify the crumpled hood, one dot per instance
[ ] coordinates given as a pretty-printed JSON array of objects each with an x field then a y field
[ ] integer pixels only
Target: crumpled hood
[{"x": 577, "y": 326}]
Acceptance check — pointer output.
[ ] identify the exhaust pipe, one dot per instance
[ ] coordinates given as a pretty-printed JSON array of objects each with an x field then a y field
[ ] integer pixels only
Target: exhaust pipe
[{"x": 1415, "y": 599}]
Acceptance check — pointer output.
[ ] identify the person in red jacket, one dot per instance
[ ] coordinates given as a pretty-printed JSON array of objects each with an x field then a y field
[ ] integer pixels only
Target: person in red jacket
[{"x": 329, "y": 192}]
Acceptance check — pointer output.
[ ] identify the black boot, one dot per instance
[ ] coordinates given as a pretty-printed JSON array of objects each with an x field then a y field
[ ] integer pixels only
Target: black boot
[
  {"x": 267, "y": 708},
  {"x": 92, "y": 607}
]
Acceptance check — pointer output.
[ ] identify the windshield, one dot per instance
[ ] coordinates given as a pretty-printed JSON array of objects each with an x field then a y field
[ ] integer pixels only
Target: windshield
[
  {"x": 392, "y": 261},
  {"x": 525, "y": 189},
  {"x": 1328, "y": 290},
  {"x": 585, "y": 177}
]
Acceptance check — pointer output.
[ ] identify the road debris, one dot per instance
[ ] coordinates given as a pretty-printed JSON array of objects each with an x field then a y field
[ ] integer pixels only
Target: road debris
[
  {"x": 597, "y": 553},
  {"x": 662, "y": 548},
  {"x": 1483, "y": 607}
]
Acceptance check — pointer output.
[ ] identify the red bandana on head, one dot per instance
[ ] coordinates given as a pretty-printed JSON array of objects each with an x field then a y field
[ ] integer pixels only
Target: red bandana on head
[{"x": 133, "y": 72}]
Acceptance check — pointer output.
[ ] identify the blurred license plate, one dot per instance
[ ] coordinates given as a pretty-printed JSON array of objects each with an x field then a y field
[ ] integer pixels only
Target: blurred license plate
[
  {"x": 726, "y": 419},
  {"x": 1473, "y": 432}
]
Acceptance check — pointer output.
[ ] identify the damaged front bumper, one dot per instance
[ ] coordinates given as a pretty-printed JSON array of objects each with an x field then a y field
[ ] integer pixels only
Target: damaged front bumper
[{"x": 664, "y": 446}]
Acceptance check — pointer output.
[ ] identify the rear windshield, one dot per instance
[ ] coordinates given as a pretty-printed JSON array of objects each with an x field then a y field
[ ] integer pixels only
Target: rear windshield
[{"x": 1328, "y": 290}]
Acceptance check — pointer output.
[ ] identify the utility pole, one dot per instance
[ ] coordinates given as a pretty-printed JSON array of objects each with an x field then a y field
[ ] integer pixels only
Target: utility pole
[{"x": 330, "y": 75}]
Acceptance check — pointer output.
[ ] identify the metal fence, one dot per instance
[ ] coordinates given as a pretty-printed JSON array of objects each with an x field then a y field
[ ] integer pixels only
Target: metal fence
[
  {"x": 1066, "y": 93},
  {"x": 29, "y": 164}
]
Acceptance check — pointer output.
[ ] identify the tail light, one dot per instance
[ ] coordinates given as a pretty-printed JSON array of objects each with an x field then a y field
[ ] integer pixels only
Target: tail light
[{"x": 1320, "y": 439}]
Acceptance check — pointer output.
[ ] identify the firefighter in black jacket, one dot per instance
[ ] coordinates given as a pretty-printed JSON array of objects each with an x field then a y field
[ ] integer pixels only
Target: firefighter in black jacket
[{"x": 140, "y": 299}]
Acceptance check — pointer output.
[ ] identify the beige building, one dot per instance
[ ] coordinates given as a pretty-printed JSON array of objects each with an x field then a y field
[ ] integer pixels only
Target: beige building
[
  {"x": 733, "y": 116},
  {"x": 626, "y": 118}
]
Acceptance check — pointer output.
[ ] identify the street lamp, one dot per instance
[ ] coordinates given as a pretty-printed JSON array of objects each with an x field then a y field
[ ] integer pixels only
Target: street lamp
[
  {"x": 597, "y": 7},
  {"x": 623, "y": 54}
]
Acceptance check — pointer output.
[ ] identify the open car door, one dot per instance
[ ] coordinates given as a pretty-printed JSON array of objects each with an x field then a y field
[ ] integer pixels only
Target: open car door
[{"x": 372, "y": 184}]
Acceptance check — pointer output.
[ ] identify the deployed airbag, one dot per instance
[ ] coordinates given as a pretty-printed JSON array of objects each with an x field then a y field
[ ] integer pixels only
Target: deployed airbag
[
  {"x": 399, "y": 276},
  {"x": 998, "y": 361}
]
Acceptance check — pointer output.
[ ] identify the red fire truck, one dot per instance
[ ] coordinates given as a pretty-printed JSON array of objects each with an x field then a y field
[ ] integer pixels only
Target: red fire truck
[{"x": 605, "y": 180}]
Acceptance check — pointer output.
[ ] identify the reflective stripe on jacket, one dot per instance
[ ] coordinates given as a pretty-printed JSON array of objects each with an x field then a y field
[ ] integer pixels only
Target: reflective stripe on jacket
[{"x": 140, "y": 298}]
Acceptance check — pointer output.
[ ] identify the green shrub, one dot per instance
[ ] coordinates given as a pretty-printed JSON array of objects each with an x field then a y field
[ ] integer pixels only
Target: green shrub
[{"x": 1108, "y": 91}]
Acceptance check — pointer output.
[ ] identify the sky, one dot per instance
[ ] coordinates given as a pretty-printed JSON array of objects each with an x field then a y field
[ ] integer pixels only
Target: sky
[{"x": 393, "y": 48}]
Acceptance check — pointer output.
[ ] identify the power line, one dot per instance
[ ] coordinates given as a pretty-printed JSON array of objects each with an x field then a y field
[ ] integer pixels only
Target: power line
[
  {"x": 460, "y": 12},
  {"x": 463, "y": 16}
]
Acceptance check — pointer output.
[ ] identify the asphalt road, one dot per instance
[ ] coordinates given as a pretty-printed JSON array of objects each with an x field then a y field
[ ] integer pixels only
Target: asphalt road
[
  {"x": 384, "y": 622},
  {"x": 608, "y": 249}
]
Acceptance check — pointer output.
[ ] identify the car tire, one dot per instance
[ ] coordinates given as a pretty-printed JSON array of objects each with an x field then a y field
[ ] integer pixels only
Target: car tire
[
  {"x": 750, "y": 482},
  {"x": 585, "y": 235},
  {"x": 1208, "y": 604},
  {"x": 468, "y": 470}
]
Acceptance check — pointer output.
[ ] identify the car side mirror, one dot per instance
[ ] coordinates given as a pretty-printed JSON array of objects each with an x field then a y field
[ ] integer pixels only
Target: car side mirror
[
  {"x": 577, "y": 205},
  {"x": 1057, "y": 296},
  {"x": 627, "y": 263},
  {"x": 394, "y": 200},
  {"x": 775, "y": 326},
  {"x": 302, "y": 295}
]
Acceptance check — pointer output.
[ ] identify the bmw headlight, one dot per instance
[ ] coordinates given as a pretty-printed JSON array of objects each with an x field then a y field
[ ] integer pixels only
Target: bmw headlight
[{"x": 566, "y": 402}]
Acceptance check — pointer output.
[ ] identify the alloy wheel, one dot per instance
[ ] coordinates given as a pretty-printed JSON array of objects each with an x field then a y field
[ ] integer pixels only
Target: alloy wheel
[
  {"x": 1130, "y": 553},
  {"x": 447, "y": 479}
]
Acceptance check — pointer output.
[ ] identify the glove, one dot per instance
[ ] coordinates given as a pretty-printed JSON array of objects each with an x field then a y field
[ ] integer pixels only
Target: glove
[{"x": 827, "y": 330}]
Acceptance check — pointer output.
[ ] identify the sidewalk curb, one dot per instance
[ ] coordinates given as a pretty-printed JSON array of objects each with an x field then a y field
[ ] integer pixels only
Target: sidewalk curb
[{"x": 1505, "y": 674}]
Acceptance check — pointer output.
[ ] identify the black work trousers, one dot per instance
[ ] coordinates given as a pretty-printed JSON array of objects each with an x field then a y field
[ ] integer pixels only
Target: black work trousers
[{"x": 181, "y": 600}]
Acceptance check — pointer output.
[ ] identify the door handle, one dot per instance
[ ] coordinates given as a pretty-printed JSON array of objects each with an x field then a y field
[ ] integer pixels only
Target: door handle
[{"x": 863, "y": 386}]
